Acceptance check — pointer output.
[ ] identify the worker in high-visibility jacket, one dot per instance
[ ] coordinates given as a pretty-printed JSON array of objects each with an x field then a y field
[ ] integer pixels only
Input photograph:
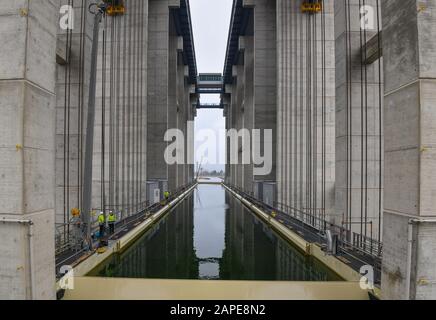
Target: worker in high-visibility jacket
[
  {"x": 166, "y": 195},
  {"x": 101, "y": 223},
  {"x": 112, "y": 218},
  {"x": 76, "y": 223}
]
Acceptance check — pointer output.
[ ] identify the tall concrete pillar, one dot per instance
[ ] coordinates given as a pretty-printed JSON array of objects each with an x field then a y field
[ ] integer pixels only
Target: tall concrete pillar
[
  {"x": 247, "y": 43},
  {"x": 182, "y": 74},
  {"x": 72, "y": 85},
  {"x": 233, "y": 122},
  {"x": 359, "y": 133},
  {"x": 192, "y": 100},
  {"x": 305, "y": 108},
  {"x": 158, "y": 80},
  {"x": 119, "y": 169},
  {"x": 227, "y": 100},
  {"x": 265, "y": 75},
  {"x": 409, "y": 228},
  {"x": 27, "y": 141},
  {"x": 239, "y": 120},
  {"x": 173, "y": 107}
]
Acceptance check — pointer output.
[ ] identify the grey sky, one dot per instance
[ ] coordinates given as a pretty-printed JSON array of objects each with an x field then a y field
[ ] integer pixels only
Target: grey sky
[{"x": 210, "y": 23}]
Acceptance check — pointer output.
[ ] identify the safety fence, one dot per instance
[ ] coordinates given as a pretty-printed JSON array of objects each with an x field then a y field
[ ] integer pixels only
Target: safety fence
[
  {"x": 363, "y": 249},
  {"x": 72, "y": 243}
]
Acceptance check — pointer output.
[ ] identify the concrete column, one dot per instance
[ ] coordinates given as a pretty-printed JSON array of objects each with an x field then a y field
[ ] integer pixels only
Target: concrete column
[
  {"x": 232, "y": 125},
  {"x": 227, "y": 100},
  {"x": 192, "y": 99},
  {"x": 181, "y": 109},
  {"x": 27, "y": 143},
  {"x": 72, "y": 87},
  {"x": 239, "y": 121},
  {"x": 248, "y": 45},
  {"x": 359, "y": 145},
  {"x": 305, "y": 108},
  {"x": 158, "y": 101},
  {"x": 409, "y": 228},
  {"x": 265, "y": 75},
  {"x": 173, "y": 107},
  {"x": 124, "y": 101}
]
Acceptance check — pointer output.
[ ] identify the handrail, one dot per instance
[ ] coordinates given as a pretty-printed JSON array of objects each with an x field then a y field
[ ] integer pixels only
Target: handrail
[
  {"x": 64, "y": 241},
  {"x": 347, "y": 238}
]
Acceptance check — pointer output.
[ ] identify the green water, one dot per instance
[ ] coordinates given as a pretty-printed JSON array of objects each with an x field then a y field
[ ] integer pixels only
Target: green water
[{"x": 212, "y": 236}]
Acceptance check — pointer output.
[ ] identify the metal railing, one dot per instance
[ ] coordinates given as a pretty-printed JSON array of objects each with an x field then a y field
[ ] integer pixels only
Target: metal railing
[
  {"x": 315, "y": 224},
  {"x": 65, "y": 238}
]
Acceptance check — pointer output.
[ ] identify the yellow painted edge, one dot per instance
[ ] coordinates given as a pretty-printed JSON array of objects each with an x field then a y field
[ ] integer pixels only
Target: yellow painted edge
[
  {"x": 333, "y": 263},
  {"x": 92, "y": 288},
  {"x": 90, "y": 263},
  {"x": 127, "y": 239}
]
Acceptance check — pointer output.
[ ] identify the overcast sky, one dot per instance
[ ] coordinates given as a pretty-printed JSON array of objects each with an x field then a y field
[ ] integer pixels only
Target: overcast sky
[{"x": 210, "y": 23}]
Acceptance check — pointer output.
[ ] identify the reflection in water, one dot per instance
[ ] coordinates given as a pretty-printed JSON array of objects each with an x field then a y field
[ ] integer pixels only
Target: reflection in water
[{"x": 212, "y": 236}]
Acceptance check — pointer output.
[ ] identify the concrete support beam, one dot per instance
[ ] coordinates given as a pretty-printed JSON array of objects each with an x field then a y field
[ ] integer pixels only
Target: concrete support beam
[
  {"x": 409, "y": 233},
  {"x": 27, "y": 148},
  {"x": 374, "y": 50},
  {"x": 173, "y": 4},
  {"x": 62, "y": 53},
  {"x": 180, "y": 44}
]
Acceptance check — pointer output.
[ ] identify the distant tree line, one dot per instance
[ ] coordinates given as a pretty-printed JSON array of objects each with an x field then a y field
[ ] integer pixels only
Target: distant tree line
[{"x": 213, "y": 173}]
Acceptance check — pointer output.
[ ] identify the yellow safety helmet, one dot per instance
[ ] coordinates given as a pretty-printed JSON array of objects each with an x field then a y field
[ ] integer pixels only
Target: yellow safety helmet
[{"x": 75, "y": 212}]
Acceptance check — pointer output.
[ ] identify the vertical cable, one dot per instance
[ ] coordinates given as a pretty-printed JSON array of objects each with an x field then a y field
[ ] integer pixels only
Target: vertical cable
[
  {"x": 129, "y": 94},
  {"x": 117, "y": 115},
  {"x": 350, "y": 122},
  {"x": 366, "y": 131},
  {"x": 138, "y": 97},
  {"x": 362, "y": 117},
  {"x": 297, "y": 84},
  {"x": 67, "y": 114},
  {"x": 285, "y": 99},
  {"x": 380, "y": 135},
  {"x": 111, "y": 106},
  {"x": 123, "y": 133},
  {"x": 301, "y": 117},
  {"x": 315, "y": 119},
  {"x": 142, "y": 17},
  {"x": 80, "y": 103},
  {"x": 323, "y": 112},
  {"x": 103, "y": 120}
]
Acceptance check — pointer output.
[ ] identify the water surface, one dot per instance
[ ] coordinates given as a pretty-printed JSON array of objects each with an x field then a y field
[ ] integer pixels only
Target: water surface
[{"x": 212, "y": 236}]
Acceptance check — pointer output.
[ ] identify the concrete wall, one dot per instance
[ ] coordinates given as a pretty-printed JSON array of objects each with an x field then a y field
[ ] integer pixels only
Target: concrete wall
[
  {"x": 409, "y": 247},
  {"x": 306, "y": 108},
  {"x": 359, "y": 114},
  {"x": 251, "y": 96},
  {"x": 247, "y": 44},
  {"x": 265, "y": 76},
  {"x": 169, "y": 94},
  {"x": 157, "y": 110},
  {"x": 72, "y": 86},
  {"x": 122, "y": 100},
  {"x": 121, "y": 107},
  {"x": 27, "y": 143}
]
